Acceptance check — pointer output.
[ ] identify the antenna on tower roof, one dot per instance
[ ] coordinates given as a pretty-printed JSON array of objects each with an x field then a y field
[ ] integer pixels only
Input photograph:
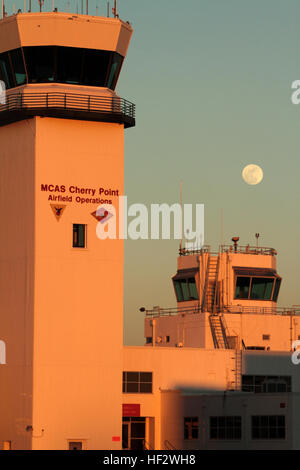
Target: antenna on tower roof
[
  {"x": 41, "y": 3},
  {"x": 114, "y": 10},
  {"x": 181, "y": 216}
]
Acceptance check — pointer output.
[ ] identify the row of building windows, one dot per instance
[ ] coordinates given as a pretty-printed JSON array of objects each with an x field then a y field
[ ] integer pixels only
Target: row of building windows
[
  {"x": 57, "y": 64},
  {"x": 230, "y": 427},
  {"x": 159, "y": 339},
  {"x": 266, "y": 383},
  {"x": 141, "y": 382},
  {"x": 247, "y": 287}
]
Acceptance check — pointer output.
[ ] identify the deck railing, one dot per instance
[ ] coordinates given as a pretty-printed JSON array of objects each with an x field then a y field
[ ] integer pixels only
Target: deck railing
[
  {"x": 73, "y": 105},
  {"x": 235, "y": 309},
  {"x": 248, "y": 250}
]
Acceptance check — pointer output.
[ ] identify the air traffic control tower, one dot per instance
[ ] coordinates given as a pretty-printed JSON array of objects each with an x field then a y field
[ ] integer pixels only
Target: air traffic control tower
[{"x": 61, "y": 287}]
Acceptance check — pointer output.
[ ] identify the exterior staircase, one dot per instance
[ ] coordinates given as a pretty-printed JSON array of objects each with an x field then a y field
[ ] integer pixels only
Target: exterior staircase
[
  {"x": 210, "y": 287},
  {"x": 218, "y": 330}
]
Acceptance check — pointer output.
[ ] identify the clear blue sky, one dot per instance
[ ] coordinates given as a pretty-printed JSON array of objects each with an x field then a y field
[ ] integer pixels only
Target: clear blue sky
[{"x": 212, "y": 83}]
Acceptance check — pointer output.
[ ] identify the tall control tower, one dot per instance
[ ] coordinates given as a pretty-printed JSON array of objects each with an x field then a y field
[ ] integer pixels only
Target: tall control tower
[{"x": 61, "y": 161}]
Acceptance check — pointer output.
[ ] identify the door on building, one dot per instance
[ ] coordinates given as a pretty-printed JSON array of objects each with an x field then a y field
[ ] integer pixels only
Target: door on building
[{"x": 133, "y": 433}]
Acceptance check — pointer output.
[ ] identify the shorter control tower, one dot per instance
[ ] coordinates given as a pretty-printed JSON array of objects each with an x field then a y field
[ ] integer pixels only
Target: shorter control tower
[{"x": 225, "y": 300}]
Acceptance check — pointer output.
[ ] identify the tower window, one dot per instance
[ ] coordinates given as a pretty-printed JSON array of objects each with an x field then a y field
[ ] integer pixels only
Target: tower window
[
  {"x": 186, "y": 289},
  {"x": 79, "y": 235},
  {"x": 75, "y": 445},
  {"x": 257, "y": 288},
  {"x": 5, "y": 70},
  {"x": 18, "y": 66}
]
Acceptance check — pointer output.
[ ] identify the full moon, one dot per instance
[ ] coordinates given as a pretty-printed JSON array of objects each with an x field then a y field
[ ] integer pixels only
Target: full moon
[{"x": 252, "y": 174}]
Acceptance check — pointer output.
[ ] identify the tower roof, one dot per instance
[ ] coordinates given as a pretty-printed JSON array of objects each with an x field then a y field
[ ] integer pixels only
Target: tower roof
[{"x": 64, "y": 29}]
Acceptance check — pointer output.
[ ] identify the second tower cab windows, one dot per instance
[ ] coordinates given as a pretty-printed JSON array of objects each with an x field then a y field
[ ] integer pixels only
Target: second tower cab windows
[{"x": 257, "y": 287}]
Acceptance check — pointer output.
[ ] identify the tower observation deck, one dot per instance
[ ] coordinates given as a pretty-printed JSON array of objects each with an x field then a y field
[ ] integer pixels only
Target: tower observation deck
[{"x": 63, "y": 65}]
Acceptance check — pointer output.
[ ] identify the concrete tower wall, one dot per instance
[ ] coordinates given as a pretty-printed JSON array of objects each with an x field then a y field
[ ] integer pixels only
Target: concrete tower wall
[{"x": 17, "y": 280}]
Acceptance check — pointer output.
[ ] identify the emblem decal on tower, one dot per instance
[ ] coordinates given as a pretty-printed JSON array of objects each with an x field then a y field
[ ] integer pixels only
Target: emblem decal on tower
[
  {"x": 58, "y": 210},
  {"x": 102, "y": 215}
]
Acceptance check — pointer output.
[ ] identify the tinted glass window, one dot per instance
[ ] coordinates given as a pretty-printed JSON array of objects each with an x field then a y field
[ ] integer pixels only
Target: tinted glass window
[
  {"x": 276, "y": 289},
  {"x": 69, "y": 65},
  {"x": 114, "y": 71},
  {"x": 5, "y": 71},
  {"x": 242, "y": 287},
  {"x": 61, "y": 64},
  {"x": 192, "y": 288},
  {"x": 40, "y": 63},
  {"x": 79, "y": 235},
  {"x": 95, "y": 67},
  {"x": 18, "y": 66},
  {"x": 261, "y": 288},
  {"x": 184, "y": 288},
  {"x": 178, "y": 291}
]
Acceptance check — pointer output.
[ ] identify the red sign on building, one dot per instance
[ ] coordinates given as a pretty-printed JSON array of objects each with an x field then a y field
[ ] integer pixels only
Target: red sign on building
[{"x": 130, "y": 409}]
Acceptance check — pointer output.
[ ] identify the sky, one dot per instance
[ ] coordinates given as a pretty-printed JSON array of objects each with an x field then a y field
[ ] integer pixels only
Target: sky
[{"x": 211, "y": 80}]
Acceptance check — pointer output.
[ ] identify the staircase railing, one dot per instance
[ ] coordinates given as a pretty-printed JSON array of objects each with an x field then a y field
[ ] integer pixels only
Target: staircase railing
[
  {"x": 205, "y": 285},
  {"x": 147, "y": 446},
  {"x": 214, "y": 305},
  {"x": 169, "y": 445}
]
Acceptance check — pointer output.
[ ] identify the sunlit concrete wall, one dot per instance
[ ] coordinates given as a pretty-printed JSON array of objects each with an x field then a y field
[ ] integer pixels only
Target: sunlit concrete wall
[
  {"x": 78, "y": 326},
  {"x": 193, "y": 330},
  {"x": 17, "y": 280}
]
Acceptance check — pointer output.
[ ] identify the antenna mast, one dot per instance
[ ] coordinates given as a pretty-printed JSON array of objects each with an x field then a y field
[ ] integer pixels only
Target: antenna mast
[
  {"x": 114, "y": 10},
  {"x": 181, "y": 216},
  {"x": 221, "y": 226},
  {"x": 41, "y": 2}
]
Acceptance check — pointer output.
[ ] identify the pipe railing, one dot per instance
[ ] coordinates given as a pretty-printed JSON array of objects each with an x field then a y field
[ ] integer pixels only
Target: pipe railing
[
  {"x": 112, "y": 105},
  {"x": 234, "y": 309},
  {"x": 250, "y": 250}
]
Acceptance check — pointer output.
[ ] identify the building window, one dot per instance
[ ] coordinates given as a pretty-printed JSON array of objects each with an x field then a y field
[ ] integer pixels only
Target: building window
[
  {"x": 149, "y": 340},
  {"x": 75, "y": 445},
  {"x": 191, "y": 428},
  {"x": 7, "y": 445},
  {"x": 137, "y": 382},
  {"x": 167, "y": 339},
  {"x": 257, "y": 288},
  {"x": 266, "y": 383},
  {"x": 265, "y": 337},
  {"x": 268, "y": 427},
  {"x": 225, "y": 427},
  {"x": 79, "y": 235}
]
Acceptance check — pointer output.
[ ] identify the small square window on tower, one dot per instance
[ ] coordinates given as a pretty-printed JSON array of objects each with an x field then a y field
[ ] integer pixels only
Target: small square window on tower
[{"x": 79, "y": 235}]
